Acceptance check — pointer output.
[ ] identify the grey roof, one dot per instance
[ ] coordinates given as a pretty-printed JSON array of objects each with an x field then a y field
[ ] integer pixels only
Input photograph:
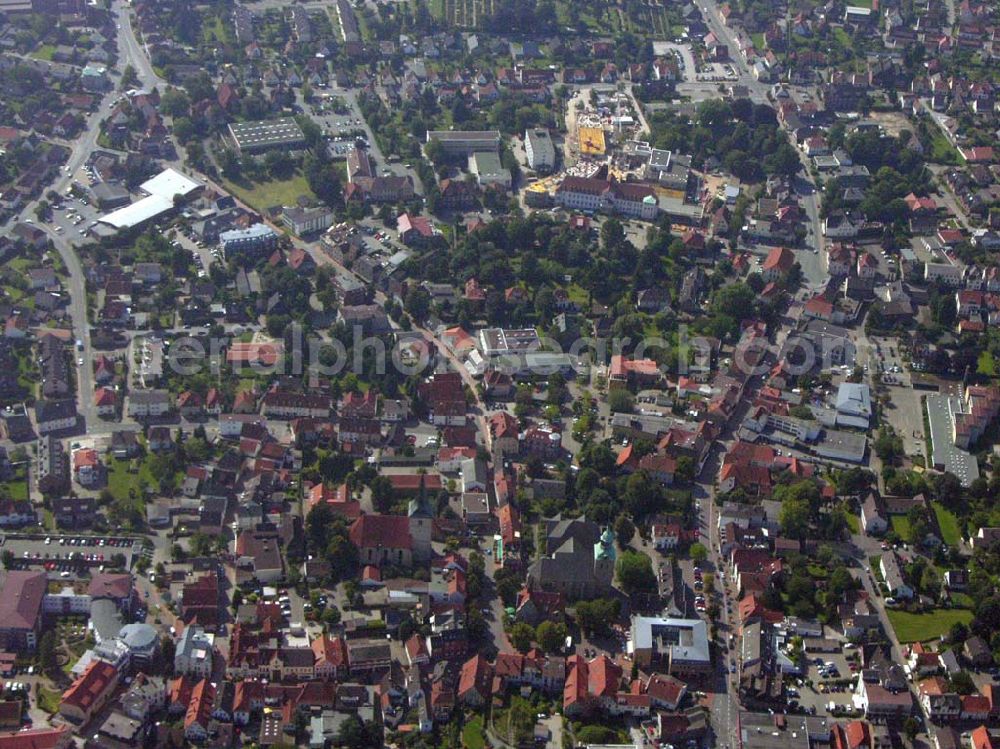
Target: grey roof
[
  {"x": 105, "y": 619},
  {"x": 138, "y": 636},
  {"x": 686, "y": 639}
]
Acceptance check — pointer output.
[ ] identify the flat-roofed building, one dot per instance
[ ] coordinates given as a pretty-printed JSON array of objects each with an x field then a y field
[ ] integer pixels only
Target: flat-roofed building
[
  {"x": 465, "y": 142},
  {"x": 488, "y": 169},
  {"x": 256, "y": 238},
  {"x": 501, "y": 341},
  {"x": 539, "y": 149},
  {"x": 679, "y": 645},
  {"x": 283, "y": 132}
]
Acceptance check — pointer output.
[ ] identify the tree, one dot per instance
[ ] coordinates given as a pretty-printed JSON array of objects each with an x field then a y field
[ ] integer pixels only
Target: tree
[
  {"x": 930, "y": 582},
  {"x": 382, "y": 494},
  {"x": 551, "y": 636},
  {"x": 962, "y": 683},
  {"x": 698, "y": 552},
  {"x": 47, "y": 652},
  {"x": 130, "y": 79},
  {"x": 596, "y": 735},
  {"x": 642, "y": 494},
  {"x": 794, "y": 517},
  {"x": 612, "y": 233},
  {"x": 624, "y": 531},
  {"x": 958, "y": 633},
  {"x": 620, "y": 401},
  {"x": 417, "y": 303},
  {"x": 434, "y": 152},
  {"x": 521, "y": 636},
  {"x": 635, "y": 573},
  {"x": 911, "y": 727},
  {"x": 598, "y": 615},
  {"x": 356, "y": 734}
]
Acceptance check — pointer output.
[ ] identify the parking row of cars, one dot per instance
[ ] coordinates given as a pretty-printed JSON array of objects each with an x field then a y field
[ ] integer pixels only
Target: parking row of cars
[{"x": 121, "y": 543}]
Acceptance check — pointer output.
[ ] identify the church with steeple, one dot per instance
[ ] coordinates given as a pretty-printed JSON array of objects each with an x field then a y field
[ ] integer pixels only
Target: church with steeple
[
  {"x": 579, "y": 559},
  {"x": 395, "y": 539},
  {"x": 421, "y": 516}
]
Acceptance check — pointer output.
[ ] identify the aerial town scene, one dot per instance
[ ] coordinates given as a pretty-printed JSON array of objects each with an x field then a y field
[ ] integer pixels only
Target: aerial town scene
[{"x": 500, "y": 374}]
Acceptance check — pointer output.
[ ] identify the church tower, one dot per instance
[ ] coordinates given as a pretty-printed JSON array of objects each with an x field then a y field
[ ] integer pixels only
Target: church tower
[
  {"x": 604, "y": 559},
  {"x": 421, "y": 516}
]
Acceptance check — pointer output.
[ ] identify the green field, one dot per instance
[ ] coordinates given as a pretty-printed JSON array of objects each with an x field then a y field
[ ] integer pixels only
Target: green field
[
  {"x": 853, "y": 522},
  {"x": 900, "y": 525},
  {"x": 951, "y": 532},
  {"x": 986, "y": 365},
  {"x": 472, "y": 734},
  {"x": 44, "y": 52},
  {"x": 263, "y": 195},
  {"x": 941, "y": 150},
  {"x": 48, "y": 700},
  {"x": 929, "y": 625}
]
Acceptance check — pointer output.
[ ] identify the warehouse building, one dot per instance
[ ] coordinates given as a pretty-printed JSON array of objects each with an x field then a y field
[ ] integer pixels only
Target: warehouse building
[
  {"x": 465, "y": 142},
  {"x": 252, "y": 137},
  {"x": 162, "y": 195}
]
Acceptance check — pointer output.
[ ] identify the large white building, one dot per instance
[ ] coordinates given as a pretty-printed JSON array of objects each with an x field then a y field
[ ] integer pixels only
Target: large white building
[
  {"x": 162, "y": 192},
  {"x": 539, "y": 149},
  {"x": 194, "y": 651},
  {"x": 597, "y": 195},
  {"x": 854, "y": 405}
]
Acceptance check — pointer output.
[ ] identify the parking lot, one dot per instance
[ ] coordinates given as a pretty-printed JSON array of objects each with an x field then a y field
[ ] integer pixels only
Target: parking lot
[
  {"x": 68, "y": 556},
  {"x": 73, "y": 216},
  {"x": 822, "y": 687}
]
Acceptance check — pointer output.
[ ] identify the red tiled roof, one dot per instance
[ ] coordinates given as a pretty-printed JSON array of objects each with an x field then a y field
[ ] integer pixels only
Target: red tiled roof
[
  {"x": 477, "y": 674},
  {"x": 604, "y": 677},
  {"x": 411, "y": 481},
  {"x": 575, "y": 688},
  {"x": 981, "y": 738},
  {"x": 780, "y": 258},
  {"x": 386, "y": 531},
  {"x": 90, "y": 686},
  {"x": 21, "y": 599},
  {"x": 36, "y": 738}
]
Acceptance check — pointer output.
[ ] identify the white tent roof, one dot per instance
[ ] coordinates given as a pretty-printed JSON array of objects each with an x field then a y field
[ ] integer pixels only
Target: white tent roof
[{"x": 168, "y": 183}]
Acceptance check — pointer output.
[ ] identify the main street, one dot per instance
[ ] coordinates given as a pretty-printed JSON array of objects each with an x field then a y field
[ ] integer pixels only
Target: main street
[
  {"x": 130, "y": 53},
  {"x": 804, "y": 187}
]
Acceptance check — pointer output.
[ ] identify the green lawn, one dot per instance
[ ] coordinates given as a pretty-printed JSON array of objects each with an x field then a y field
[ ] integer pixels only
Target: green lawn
[
  {"x": 942, "y": 151},
  {"x": 215, "y": 31},
  {"x": 986, "y": 365},
  {"x": 44, "y": 52},
  {"x": 860, "y": 3},
  {"x": 927, "y": 626},
  {"x": 900, "y": 525},
  {"x": 16, "y": 490},
  {"x": 853, "y": 522},
  {"x": 472, "y": 734},
  {"x": 17, "y": 487},
  {"x": 121, "y": 481},
  {"x": 48, "y": 700},
  {"x": 842, "y": 37},
  {"x": 263, "y": 195},
  {"x": 951, "y": 532},
  {"x": 963, "y": 600}
]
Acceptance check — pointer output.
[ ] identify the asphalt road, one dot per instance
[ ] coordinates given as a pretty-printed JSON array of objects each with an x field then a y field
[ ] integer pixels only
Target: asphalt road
[
  {"x": 130, "y": 53},
  {"x": 804, "y": 187}
]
